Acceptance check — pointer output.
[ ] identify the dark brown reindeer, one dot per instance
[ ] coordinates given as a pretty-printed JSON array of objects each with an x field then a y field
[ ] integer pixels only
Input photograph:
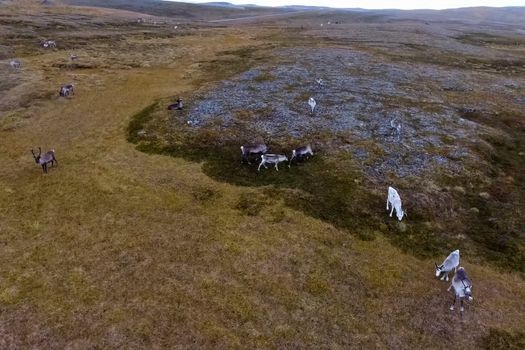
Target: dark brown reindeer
[
  {"x": 253, "y": 149},
  {"x": 301, "y": 152},
  {"x": 44, "y": 160},
  {"x": 176, "y": 106}
]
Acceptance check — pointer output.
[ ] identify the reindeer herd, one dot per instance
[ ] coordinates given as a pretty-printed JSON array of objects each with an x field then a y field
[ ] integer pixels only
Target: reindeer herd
[
  {"x": 65, "y": 90},
  {"x": 248, "y": 151},
  {"x": 461, "y": 284}
]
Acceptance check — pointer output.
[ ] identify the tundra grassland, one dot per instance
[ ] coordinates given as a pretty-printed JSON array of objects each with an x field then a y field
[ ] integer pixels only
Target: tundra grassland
[{"x": 151, "y": 234}]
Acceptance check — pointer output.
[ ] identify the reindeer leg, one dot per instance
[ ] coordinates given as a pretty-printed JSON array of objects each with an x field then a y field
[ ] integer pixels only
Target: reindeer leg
[
  {"x": 392, "y": 211},
  {"x": 276, "y": 166},
  {"x": 453, "y": 303},
  {"x": 461, "y": 308},
  {"x": 259, "y": 168},
  {"x": 445, "y": 274}
]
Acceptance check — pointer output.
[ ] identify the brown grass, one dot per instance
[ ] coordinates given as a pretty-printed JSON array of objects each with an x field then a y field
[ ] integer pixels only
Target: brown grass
[{"x": 116, "y": 248}]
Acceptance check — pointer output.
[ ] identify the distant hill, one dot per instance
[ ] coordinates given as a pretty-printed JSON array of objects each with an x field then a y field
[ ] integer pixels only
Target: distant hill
[
  {"x": 504, "y": 15},
  {"x": 214, "y": 10},
  {"x": 217, "y": 10}
]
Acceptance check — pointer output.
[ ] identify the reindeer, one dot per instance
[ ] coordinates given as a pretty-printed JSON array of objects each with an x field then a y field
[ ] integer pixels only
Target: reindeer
[
  {"x": 66, "y": 90},
  {"x": 319, "y": 82},
  {"x": 395, "y": 127},
  {"x": 450, "y": 263},
  {"x": 73, "y": 57},
  {"x": 49, "y": 44},
  {"x": 48, "y": 157},
  {"x": 305, "y": 151},
  {"x": 247, "y": 150},
  {"x": 177, "y": 105},
  {"x": 462, "y": 286},
  {"x": 395, "y": 201},
  {"x": 312, "y": 103},
  {"x": 16, "y": 64},
  {"x": 272, "y": 159}
]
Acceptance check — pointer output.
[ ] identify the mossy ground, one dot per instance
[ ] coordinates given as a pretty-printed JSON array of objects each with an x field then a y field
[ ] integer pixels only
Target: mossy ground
[{"x": 117, "y": 248}]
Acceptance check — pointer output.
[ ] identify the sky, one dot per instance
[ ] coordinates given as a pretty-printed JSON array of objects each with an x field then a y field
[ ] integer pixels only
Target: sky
[{"x": 379, "y": 4}]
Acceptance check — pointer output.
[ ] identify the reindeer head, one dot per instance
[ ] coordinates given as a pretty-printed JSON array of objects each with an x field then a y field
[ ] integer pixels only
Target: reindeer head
[
  {"x": 438, "y": 269},
  {"x": 37, "y": 157},
  {"x": 400, "y": 214}
]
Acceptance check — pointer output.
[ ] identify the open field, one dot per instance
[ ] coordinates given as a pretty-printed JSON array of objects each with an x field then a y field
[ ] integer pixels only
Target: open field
[{"x": 151, "y": 234}]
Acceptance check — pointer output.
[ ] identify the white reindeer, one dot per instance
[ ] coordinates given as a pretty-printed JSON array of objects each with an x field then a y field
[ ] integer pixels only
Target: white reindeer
[
  {"x": 462, "y": 286},
  {"x": 450, "y": 263},
  {"x": 395, "y": 126},
  {"x": 16, "y": 64},
  {"x": 312, "y": 103},
  {"x": 272, "y": 159},
  {"x": 395, "y": 201}
]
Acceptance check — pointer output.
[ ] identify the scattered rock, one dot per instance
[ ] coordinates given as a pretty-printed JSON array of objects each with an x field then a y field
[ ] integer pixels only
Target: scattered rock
[
  {"x": 474, "y": 210},
  {"x": 484, "y": 195},
  {"x": 351, "y": 104},
  {"x": 460, "y": 189},
  {"x": 141, "y": 133}
]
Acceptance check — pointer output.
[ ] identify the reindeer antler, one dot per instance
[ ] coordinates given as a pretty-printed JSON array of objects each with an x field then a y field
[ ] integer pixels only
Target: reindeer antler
[
  {"x": 33, "y": 153},
  {"x": 39, "y": 151}
]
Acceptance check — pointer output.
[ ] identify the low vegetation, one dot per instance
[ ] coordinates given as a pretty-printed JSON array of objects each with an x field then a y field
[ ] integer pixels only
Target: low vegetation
[{"x": 151, "y": 233}]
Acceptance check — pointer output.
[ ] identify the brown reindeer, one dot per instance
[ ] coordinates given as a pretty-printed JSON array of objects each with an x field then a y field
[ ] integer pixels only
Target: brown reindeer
[{"x": 44, "y": 160}]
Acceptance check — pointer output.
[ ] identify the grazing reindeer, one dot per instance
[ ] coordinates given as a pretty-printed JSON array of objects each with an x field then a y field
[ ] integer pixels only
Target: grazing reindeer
[
  {"x": 450, "y": 263},
  {"x": 16, "y": 64},
  {"x": 46, "y": 44},
  {"x": 247, "y": 150},
  {"x": 73, "y": 57},
  {"x": 395, "y": 127},
  {"x": 66, "y": 90},
  {"x": 395, "y": 201},
  {"x": 272, "y": 159},
  {"x": 312, "y": 103},
  {"x": 462, "y": 286},
  {"x": 305, "y": 151},
  {"x": 177, "y": 105},
  {"x": 44, "y": 160}
]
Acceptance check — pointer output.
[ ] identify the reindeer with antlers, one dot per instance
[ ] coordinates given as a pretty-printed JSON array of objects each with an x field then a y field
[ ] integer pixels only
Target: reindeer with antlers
[{"x": 44, "y": 160}]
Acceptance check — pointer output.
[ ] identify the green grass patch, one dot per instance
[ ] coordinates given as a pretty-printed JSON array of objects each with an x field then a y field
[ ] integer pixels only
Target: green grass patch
[{"x": 138, "y": 122}]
